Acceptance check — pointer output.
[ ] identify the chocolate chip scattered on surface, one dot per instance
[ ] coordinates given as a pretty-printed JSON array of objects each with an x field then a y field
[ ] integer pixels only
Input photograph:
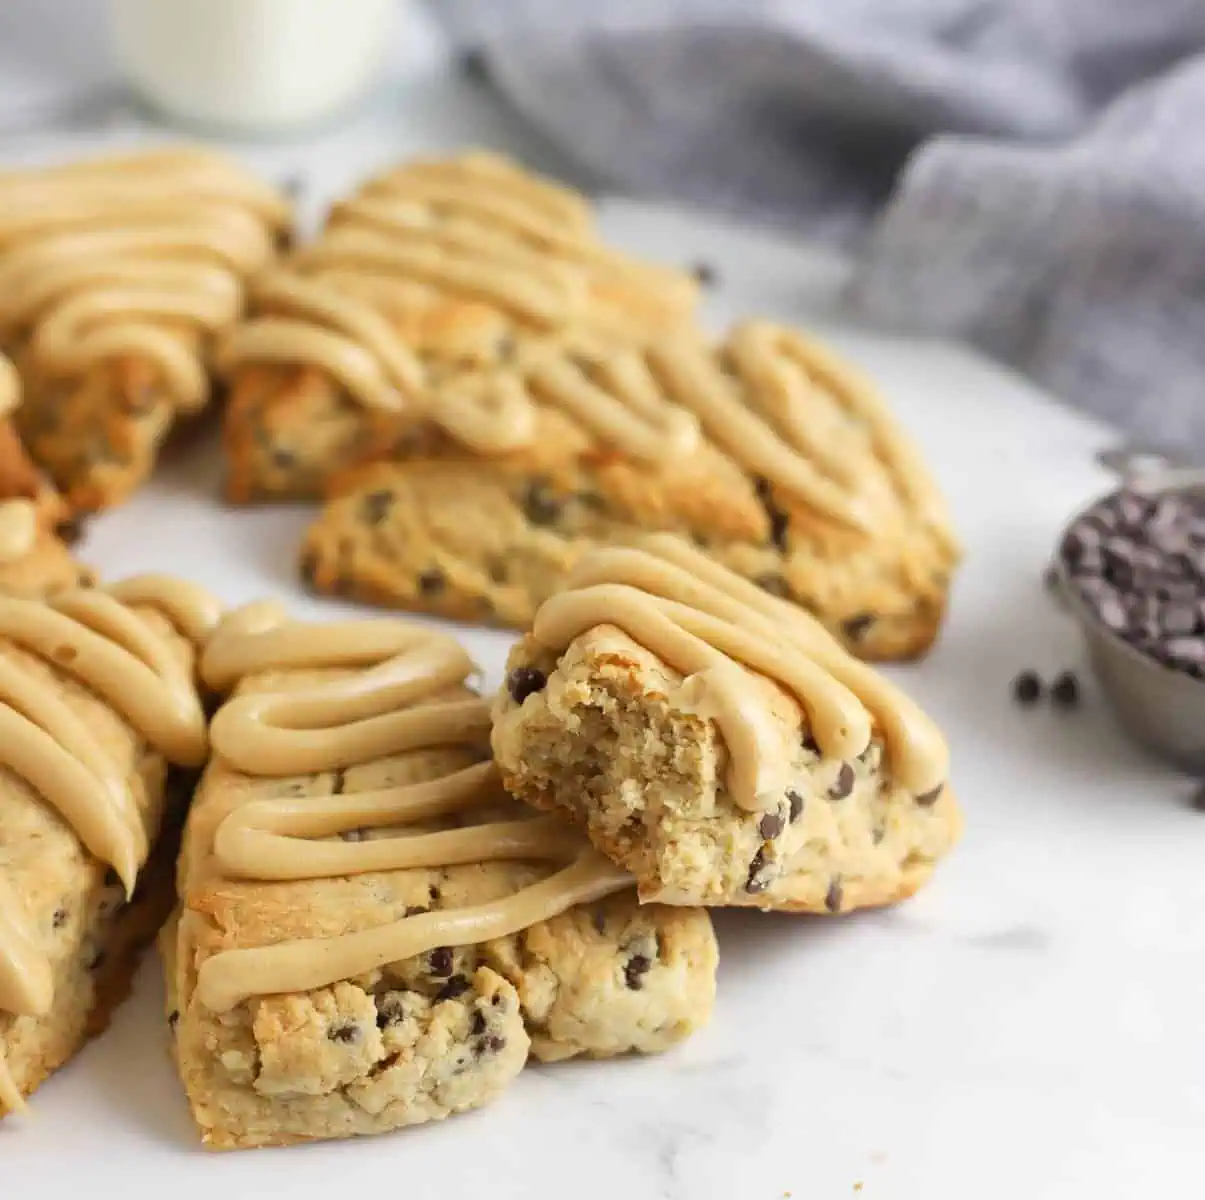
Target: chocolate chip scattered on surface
[
  {"x": 1027, "y": 688},
  {"x": 1064, "y": 691},
  {"x": 525, "y": 681}
]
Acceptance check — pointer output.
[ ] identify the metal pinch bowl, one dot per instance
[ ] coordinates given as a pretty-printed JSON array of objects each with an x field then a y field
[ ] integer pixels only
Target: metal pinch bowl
[{"x": 1164, "y": 709}]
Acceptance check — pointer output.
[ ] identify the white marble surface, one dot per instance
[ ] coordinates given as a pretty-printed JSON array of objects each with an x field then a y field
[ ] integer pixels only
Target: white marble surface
[{"x": 1029, "y": 1027}]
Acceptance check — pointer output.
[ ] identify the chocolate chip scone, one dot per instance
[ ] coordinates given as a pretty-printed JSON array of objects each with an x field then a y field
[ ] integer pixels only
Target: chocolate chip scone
[
  {"x": 435, "y": 269},
  {"x": 115, "y": 276},
  {"x": 718, "y": 743},
  {"x": 372, "y": 933},
  {"x": 99, "y": 702},
  {"x": 766, "y": 450}
]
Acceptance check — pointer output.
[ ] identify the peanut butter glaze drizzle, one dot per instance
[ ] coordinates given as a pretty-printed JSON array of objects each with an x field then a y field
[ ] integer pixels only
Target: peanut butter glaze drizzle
[
  {"x": 474, "y": 228},
  {"x": 395, "y": 703},
  {"x": 702, "y": 620},
  {"x": 131, "y": 256},
  {"x": 94, "y": 636}
]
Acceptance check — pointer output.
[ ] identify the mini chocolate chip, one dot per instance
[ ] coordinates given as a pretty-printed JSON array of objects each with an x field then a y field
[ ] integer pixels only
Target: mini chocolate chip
[
  {"x": 857, "y": 627},
  {"x": 433, "y": 893},
  {"x": 775, "y": 585},
  {"x": 478, "y": 1025},
  {"x": 540, "y": 506},
  {"x": 431, "y": 582},
  {"x": 834, "y": 896},
  {"x": 929, "y": 798},
  {"x": 809, "y": 743},
  {"x": 456, "y": 986},
  {"x": 347, "y": 1034},
  {"x": 795, "y": 800},
  {"x": 70, "y": 531},
  {"x": 1027, "y": 688},
  {"x": 756, "y": 864},
  {"x": 173, "y": 1018},
  {"x": 493, "y": 1042},
  {"x": 635, "y": 969},
  {"x": 1064, "y": 691},
  {"x": 60, "y": 918},
  {"x": 843, "y": 784},
  {"x": 440, "y": 960},
  {"x": 878, "y": 835},
  {"x": 771, "y": 825},
  {"x": 374, "y": 508},
  {"x": 600, "y": 922},
  {"x": 705, "y": 273},
  {"x": 525, "y": 681},
  {"x": 392, "y": 1012}
]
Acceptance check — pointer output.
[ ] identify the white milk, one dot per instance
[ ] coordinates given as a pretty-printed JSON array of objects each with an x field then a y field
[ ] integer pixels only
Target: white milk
[{"x": 251, "y": 66}]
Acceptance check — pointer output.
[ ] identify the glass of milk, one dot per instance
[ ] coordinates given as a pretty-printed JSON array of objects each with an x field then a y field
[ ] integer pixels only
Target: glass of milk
[{"x": 251, "y": 66}]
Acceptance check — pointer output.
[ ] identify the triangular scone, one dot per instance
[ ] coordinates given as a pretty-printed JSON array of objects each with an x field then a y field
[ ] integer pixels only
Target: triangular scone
[
  {"x": 434, "y": 269},
  {"x": 98, "y": 703},
  {"x": 718, "y": 743},
  {"x": 115, "y": 275},
  {"x": 767, "y": 451},
  {"x": 372, "y": 934}
]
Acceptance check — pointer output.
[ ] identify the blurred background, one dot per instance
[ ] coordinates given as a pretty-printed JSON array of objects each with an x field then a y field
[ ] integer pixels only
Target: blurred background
[{"x": 1022, "y": 174}]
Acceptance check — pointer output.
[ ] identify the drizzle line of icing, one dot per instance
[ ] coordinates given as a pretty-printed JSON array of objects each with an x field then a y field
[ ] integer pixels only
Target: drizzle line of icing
[
  {"x": 392, "y": 704},
  {"x": 475, "y": 228},
  {"x": 131, "y": 256},
  {"x": 94, "y": 637},
  {"x": 703, "y": 620}
]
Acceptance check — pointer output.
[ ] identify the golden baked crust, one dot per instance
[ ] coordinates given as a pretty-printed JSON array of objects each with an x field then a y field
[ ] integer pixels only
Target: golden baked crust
[
  {"x": 115, "y": 276},
  {"x": 863, "y": 542},
  {"x": 419, "y": 1039},
  {"x": 604, "y": 743},
  {"x": 74, "y": 905},
  {"x": 460, "y": 264}
]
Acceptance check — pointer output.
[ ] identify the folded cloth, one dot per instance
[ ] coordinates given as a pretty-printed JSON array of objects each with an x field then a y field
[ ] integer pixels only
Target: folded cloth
[{"x": 1017, "y": 173}]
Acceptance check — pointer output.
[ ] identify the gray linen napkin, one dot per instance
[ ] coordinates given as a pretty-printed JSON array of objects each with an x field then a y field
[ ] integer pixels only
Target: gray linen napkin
[{"x": 1025, "y": 174}]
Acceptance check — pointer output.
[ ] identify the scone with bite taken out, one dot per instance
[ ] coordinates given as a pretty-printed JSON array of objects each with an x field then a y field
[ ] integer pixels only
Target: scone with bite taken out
[{"x": 718, "y": 743}]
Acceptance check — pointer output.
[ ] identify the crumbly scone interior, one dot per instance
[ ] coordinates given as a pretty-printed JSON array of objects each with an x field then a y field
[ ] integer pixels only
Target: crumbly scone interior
[
  {"x": 117, "y": 274},
  {"x": 710, "y": 781},
  {"x": 99, "y": 699},
  {"x": 372, "y": 933}
]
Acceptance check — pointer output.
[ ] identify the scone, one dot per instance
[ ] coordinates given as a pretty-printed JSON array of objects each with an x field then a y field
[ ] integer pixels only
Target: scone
[
  {"x": 98, "y": 704},
  {"x": 767, "y": 450},
  {"x": 435, "y": 269},
  {"x": 718, "y": 743},
  {"x": 34, "y": 561},
  {"x": 372, "y": 934},
  {"x": 115, "y": 276}
]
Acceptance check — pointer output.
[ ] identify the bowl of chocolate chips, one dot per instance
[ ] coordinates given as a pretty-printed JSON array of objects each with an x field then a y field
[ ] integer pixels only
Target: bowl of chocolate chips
[{"x": 1131, "y": 569}]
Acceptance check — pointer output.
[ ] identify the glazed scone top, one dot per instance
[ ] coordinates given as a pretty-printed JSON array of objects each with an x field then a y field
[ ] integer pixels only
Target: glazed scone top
[
  {"x": 714, "y": 628},
  {"x": 481, "y": 251},
  {"x": 93, "y": 635},
  {"x": 131, "y": 256},
  {"x": 406, "y": 694}
]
